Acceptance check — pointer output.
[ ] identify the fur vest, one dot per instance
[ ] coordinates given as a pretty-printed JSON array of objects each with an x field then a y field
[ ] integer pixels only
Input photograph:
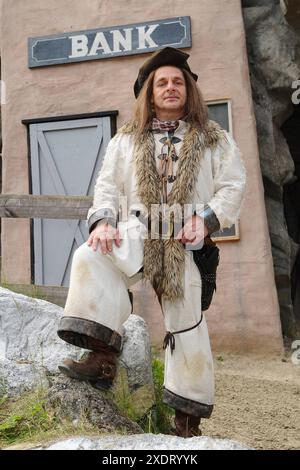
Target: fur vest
[{"x": 164, "y": 260}]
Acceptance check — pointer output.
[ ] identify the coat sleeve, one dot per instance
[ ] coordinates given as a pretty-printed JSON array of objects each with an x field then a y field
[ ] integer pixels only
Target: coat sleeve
[
  {"x": 229, "y": 182},
  {"x": 108, "y": 186}
]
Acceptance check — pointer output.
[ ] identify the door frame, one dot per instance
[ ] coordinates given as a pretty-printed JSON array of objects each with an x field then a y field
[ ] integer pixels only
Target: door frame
[{"x": 113, "y": 125}]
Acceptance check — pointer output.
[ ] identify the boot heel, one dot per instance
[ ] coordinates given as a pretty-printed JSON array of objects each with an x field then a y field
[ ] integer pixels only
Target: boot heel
[{"x": 101, "y": 384}]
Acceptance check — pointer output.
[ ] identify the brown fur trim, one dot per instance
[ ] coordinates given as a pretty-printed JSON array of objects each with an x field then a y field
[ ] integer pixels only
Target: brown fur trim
[
  {"x": 88, "y": 334},
  {"x": 174, "y": 264},
  {"x": 186, "y": 405},
  {"x": 129, "y": 127},
  {"x": 164, "y": 260},
  {"x": 154, "y": 264}
]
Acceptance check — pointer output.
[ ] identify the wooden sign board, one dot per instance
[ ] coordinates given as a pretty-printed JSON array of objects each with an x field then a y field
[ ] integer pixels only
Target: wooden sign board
[{"x": 113, "y": 41}]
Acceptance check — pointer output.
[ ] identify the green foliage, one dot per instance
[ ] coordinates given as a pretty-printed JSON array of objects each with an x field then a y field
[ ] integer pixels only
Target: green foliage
[
  {"x": 27, "y": 418},
  {"x": 3, "y": 399},
  {"x": 133, "y": 404},
  {"x": 122, "y": 396},
  {"x": 23, "y": 417},
  {"x": 158, "y": 420}
]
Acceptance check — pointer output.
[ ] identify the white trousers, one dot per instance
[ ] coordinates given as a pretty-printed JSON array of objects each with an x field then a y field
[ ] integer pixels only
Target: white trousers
[{"x": 99, "y": 293}]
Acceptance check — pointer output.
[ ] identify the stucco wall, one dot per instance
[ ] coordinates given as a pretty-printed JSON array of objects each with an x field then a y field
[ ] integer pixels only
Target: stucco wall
[{"x": 244, "y": 315}]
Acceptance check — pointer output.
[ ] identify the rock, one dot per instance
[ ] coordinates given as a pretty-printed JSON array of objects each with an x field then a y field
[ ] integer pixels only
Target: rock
[
  {"x": 29, "y": 346},
  {"x": 136, "y": 356},
  {"x": 30, "y": 350},
  {"x": 134, "y": 381},
  {"x": 274, "y": 65},
  {"x": 145, "y": 442},
  {"x": 79, "y": 401}
]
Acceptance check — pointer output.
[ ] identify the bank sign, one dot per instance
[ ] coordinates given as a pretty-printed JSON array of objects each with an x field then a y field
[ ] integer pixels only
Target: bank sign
[{"x": 103, "y": 43}]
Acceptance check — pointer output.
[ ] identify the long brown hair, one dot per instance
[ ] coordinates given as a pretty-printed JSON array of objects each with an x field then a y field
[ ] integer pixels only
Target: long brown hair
[{"x": 196, "y": 111}]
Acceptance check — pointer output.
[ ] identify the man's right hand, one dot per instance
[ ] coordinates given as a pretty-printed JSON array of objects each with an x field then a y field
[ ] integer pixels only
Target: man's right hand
[{"x": 104, "y": 234}]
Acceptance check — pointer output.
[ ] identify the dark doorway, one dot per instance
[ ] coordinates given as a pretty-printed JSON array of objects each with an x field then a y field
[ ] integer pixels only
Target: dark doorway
[{"x": 291, "y": 199}]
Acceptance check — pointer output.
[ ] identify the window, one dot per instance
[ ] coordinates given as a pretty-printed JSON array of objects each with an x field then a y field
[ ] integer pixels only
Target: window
[{"x": 220, "y": 111}]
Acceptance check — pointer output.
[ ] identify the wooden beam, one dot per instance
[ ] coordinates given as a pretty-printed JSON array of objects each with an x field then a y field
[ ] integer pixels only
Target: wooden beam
[
  {"x": 44, "y": 207},
  {"x": 54, "y": 294}
]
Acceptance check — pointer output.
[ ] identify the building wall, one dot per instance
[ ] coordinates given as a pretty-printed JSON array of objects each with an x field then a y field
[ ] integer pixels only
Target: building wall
[{"x": 244, "y": 314}]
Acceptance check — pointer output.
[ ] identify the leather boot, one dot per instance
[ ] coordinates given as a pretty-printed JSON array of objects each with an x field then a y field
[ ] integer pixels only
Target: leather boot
[
  {"x": 98, "y": 367},
  {"x": 186, "y": 425}
]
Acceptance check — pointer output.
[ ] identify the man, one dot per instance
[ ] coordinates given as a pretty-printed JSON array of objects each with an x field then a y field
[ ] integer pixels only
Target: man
[{"x": 170, "y": 160}]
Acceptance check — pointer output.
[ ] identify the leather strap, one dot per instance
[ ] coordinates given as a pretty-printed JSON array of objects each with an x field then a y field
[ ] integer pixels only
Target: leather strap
[{"x": 170, "y": 339}]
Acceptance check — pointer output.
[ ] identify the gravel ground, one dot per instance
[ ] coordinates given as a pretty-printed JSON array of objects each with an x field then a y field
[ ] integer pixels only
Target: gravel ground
[{"x": 257, "y": 402}]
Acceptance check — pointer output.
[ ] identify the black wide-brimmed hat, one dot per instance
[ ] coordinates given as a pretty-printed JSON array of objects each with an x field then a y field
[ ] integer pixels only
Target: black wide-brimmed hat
[{"x": 166, "y": 56}]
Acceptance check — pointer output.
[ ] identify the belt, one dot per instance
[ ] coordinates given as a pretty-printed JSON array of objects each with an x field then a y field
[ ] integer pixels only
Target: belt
[{"x": 170, "y": 339}]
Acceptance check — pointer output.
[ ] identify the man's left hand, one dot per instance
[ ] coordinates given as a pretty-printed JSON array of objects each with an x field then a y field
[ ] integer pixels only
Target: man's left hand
[{"x": 193, "y": 232}]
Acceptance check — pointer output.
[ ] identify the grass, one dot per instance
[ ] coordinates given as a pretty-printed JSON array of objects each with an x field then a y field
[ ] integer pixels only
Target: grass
[
  {"x": 123, "y": 398},
  {"x": 3, "y": 389},
  {"x": 159, "y": 418},
  {"x": 132, "y": 405},
  {"x": 28, "y": 419},
  {"x": 23, "y": 417}
]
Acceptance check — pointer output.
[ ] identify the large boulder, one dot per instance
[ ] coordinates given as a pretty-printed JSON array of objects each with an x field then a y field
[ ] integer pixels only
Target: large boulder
[
  {"x": 144, "y": 442},
  {"x": 79, "y": 403},
  {"x": 30, "y": 350}
]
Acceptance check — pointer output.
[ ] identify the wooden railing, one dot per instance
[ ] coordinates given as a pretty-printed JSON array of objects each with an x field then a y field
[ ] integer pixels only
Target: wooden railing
[{"x": 43, "y": 207}]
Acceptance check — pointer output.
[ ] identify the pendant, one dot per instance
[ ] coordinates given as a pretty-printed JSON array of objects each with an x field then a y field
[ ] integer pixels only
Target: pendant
[
  {"x": 175, "y": 140},
  {"x": 171, "y": 179}
]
